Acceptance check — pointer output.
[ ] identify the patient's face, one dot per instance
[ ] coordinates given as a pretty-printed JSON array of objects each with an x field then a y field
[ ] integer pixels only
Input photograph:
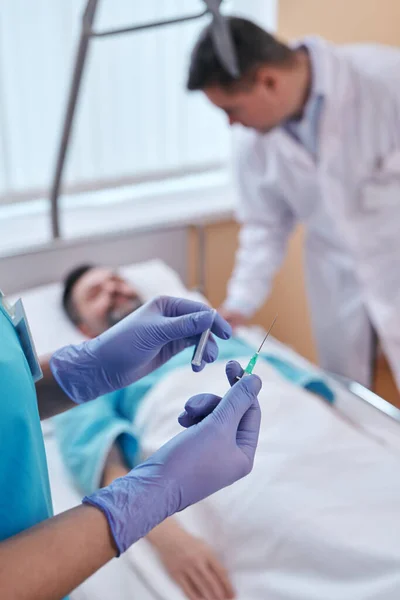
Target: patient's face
[{"x": 101, "y": 298}]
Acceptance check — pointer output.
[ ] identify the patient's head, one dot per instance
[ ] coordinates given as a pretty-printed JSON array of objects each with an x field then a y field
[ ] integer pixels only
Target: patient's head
[{"x": 95, "y": 298}]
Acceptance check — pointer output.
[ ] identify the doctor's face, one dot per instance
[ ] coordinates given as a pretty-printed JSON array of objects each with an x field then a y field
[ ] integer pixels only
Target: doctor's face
[
  {"x": 262, "y": 104},
  {"x": 101, "y": 298}
]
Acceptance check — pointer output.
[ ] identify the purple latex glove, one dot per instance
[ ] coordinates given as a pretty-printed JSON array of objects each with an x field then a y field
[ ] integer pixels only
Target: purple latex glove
[
  {"x": 134, "y": 347},
  {"x": 201, "y": 405},
  {"x": 203, "y": 459}
]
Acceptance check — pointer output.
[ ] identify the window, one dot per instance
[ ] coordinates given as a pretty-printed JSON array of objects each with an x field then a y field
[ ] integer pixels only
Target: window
[
  {"x": 134, "y": 118},
  {"x": 135, "y": 121}
]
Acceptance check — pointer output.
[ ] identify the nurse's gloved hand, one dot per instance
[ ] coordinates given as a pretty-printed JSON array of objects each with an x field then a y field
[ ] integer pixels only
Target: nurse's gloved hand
[
  {"x": 143, "y": 341},
  {"x": 201, "y": 405},
  {"x": 196, "y": 463}
]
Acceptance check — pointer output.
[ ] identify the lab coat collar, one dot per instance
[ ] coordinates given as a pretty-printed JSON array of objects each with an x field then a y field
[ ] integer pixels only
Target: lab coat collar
[
  {"x": 320, "y": 72},
  {"x": 332, "y": 81},
  {"x": 306, "y": 127},
  {"x": 319, "y": 84}
]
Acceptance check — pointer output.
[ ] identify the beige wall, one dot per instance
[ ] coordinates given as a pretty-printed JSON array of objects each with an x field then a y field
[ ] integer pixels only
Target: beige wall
[{"x": 340, "y": 21}]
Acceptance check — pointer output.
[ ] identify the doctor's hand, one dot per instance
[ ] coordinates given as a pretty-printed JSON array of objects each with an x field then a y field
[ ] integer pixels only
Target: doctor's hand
[
  {"x": 134, "y": 347},
  {"x": 199, "y": 461}
]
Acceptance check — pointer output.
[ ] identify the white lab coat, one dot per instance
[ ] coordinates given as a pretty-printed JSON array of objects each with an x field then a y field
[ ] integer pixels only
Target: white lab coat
[{"x": 348, "y": 199}]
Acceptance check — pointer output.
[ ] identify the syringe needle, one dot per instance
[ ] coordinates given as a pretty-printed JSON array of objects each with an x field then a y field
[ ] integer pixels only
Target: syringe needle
[
  {"x": 268, "y": 332},
  {"x": 252, "y": 362}
]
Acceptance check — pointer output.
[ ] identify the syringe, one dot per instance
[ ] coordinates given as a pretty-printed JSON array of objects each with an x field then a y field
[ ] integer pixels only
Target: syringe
[{"x": 252, "y": 362}]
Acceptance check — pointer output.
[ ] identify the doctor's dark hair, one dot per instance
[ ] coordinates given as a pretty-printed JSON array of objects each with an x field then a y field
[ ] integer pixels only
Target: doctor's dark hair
[
  {"x": 69, "y": 282},
  {"x": 254, "y": 47}
]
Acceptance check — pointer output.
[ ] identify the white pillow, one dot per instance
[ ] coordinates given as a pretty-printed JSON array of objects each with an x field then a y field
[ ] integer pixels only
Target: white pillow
[{"x": 50, "y": 327}]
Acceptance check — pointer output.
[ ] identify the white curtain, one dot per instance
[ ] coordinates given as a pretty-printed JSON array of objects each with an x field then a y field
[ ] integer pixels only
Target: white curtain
[{"x": 134, "y": 117}]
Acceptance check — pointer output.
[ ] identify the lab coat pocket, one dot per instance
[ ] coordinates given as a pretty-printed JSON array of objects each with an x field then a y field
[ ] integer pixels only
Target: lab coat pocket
[
  {"x": 378, "y": 222},
  {"x": 382, "y": 189}
]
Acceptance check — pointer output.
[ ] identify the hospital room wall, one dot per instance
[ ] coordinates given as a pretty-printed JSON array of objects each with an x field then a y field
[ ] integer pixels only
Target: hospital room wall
[{"x": 340, "y": 21}]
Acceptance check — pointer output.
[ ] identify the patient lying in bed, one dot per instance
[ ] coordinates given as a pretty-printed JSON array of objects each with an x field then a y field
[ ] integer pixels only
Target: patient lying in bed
[
  {"x": 99, "y": 443},
  {"x": 317, "y": 518},
  {"x": 98, "y": 440}
]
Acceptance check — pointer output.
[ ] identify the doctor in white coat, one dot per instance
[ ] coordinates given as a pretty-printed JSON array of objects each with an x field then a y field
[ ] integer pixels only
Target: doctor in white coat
[{"x": 319, "y": 143}]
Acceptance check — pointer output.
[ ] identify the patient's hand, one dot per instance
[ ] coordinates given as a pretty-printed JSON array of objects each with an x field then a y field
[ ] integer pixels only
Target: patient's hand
[
  {"x": 191, "y": 563},
  {"x": 234, "y": 318}
]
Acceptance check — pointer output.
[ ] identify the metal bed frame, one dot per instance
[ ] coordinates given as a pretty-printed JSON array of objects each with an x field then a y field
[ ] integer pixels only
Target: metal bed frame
[{"x": 366, "y": 395}]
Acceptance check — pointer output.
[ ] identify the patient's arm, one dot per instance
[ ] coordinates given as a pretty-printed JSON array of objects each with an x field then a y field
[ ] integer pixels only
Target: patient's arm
[
  {"x": 188, "y": 560},
  {"x": 51, "y": 398},
  {"x": 114, "y": 466}
]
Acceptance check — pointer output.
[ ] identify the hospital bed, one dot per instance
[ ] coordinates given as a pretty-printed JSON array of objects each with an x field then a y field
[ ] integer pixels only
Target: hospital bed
[{"x": 319, "y": 516}]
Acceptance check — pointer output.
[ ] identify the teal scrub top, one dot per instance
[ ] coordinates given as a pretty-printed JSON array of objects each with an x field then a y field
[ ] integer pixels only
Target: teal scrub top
[{"x": 25, "y": 498}]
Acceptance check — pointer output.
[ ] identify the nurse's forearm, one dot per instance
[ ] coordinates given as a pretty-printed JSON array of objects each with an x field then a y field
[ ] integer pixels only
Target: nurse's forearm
[
  {"x": 51, "y": 398},
  {"x": 51, "y": 559}
]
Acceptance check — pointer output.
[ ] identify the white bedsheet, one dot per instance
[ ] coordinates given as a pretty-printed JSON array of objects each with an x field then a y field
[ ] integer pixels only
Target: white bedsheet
[{"x": 318, "y": 518}]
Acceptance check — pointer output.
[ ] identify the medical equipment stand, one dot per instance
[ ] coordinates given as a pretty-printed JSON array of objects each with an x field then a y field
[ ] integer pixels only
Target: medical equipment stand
[{"x": 224, "y": 47}]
